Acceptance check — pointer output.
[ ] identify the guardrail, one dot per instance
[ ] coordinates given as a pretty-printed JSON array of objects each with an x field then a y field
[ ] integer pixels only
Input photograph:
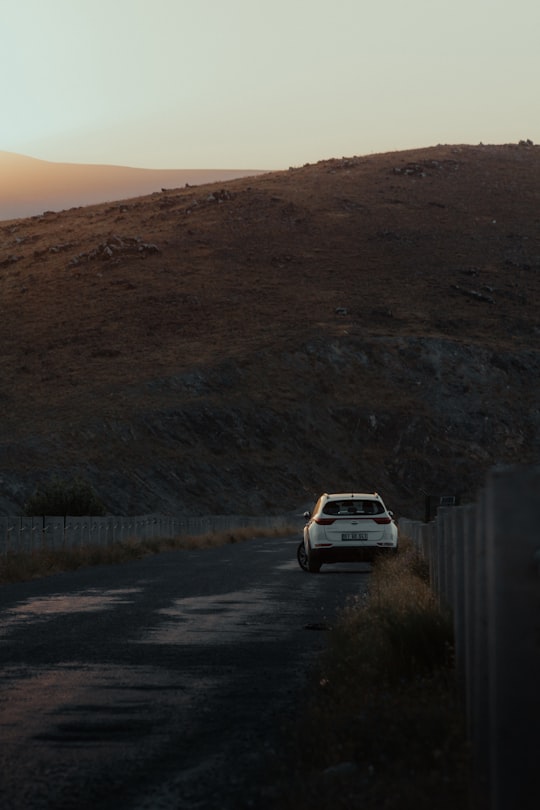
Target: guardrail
[
  {"x": 484, "y": 562},
  {"x": 27, "y": 534}
]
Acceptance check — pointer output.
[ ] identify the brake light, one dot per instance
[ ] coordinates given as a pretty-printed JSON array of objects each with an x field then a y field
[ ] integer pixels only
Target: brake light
[
  {"x": 383, "y": 520},
  {"x": 324, "y": 521}
]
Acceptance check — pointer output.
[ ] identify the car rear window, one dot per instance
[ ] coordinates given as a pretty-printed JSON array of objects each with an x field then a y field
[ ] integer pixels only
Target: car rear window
[{"x": 353, "y": 507}]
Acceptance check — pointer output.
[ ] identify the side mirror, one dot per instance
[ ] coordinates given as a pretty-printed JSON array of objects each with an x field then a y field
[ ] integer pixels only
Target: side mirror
[{"x": 307, "y": 515}]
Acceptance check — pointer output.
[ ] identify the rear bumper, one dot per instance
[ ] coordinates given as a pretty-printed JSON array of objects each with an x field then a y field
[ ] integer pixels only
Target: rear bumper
[{"x": 337, "y": 554}]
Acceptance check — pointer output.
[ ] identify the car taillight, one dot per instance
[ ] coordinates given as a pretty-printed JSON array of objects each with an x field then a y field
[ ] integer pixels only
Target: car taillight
[
  {"x": 324, "y": 521},
  {"x": 383, "y": 520}
]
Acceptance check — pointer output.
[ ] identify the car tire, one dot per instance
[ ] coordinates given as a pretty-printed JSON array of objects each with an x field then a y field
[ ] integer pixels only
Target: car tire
[{"x": 302, "y": 557}]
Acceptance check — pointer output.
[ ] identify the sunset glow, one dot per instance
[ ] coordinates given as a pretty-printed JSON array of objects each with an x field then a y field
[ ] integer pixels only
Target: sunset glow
[{"x": 244, "y": 84}]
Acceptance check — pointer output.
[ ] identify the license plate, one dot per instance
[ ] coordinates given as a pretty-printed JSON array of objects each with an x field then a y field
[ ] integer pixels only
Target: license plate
[{"x": 354, "y": 536}]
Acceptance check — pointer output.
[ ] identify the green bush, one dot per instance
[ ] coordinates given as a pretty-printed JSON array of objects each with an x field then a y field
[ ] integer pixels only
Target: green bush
[{"x": 58, "y": 497}]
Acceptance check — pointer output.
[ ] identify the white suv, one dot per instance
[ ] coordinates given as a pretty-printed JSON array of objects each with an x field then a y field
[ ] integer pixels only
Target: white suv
[{"x": 347, "y": 527}]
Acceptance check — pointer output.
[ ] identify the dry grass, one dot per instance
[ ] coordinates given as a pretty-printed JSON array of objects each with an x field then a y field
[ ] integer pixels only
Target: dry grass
[
  {"x": 20, "y": 567},
  {"x": 382, "y": 727}
]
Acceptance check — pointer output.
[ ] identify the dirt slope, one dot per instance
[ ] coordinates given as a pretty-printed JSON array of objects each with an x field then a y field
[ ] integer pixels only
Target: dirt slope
[{"x": 367, "y": 322}]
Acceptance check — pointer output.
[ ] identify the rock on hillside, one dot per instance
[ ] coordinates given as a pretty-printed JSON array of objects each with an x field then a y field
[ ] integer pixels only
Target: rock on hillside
[{"x": 364, "y": 323}]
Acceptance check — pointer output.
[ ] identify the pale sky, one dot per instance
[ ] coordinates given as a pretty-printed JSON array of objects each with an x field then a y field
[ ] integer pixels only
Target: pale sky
[{"x": 263, "y": 84}]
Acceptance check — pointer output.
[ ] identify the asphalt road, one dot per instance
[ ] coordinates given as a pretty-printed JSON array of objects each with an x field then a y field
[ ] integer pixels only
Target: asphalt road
[{"x": 161, "y": 683}]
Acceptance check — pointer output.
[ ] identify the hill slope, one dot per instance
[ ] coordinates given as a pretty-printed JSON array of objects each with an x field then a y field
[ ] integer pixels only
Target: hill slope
[
  {"x": 29, "y": 186},
  {"x": 368, "y": 323}
]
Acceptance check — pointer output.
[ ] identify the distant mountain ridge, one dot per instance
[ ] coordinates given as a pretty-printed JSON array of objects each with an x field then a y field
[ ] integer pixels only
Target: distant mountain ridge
[{"x": 29, "y": 186}]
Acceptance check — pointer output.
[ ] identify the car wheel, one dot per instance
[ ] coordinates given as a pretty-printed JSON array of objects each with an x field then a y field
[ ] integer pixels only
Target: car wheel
[{"x": 302, "y": 557}]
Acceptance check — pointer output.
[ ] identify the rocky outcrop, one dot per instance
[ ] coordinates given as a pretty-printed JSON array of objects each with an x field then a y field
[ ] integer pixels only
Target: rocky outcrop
[{"x": 406, "y": 416}]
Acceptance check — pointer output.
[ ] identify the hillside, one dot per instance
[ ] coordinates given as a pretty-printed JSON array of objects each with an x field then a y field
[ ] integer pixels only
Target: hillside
[
  {"x": 364, "y": 322},
  {"x": 29, "y": 187}
]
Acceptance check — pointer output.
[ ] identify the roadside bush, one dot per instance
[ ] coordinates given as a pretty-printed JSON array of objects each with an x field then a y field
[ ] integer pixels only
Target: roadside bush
[
  {"x": 415, "y": 635},
  {"x": 382, "y": 724},
  {"x": 58, "y": 497}
]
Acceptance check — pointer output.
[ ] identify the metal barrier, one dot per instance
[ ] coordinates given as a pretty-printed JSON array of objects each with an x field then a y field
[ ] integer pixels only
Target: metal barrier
[
  {"x": 484, "y": 562},
  {"x": 27, "y": 534}
]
